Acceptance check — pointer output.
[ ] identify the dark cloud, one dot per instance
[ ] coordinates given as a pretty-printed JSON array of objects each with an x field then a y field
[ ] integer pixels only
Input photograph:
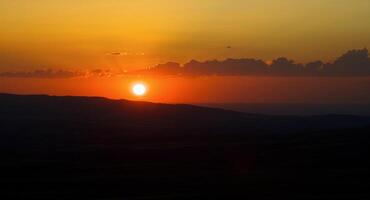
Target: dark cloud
[
  {"x": 226, "y": 67},
  {"x": 49, "y": 73},
  {"x": 102, "y": 73},
  {"x": 283, "y": 66},
  {"x": 352, "y": 63},
  {"x": 214, "y": 67},
  {"x": 314, "y": 68},
  {"x": 169, "y": 68}
]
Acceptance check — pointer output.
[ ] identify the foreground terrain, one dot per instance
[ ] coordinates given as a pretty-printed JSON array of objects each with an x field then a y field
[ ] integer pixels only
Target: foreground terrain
[{"x": 96, "y": 148}]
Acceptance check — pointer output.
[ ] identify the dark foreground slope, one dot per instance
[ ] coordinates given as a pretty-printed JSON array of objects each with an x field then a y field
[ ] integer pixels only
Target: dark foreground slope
[{"x": 95, "y": 148}]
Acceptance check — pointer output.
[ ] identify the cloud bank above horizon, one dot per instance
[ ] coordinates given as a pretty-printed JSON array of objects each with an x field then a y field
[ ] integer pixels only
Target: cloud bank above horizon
[{"x": 353, "y": 63}]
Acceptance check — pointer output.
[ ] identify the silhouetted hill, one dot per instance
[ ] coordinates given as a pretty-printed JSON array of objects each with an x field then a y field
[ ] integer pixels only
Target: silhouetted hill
[
  {"x": 96, "y": 148},
  {"x": 159, "y": 118}
]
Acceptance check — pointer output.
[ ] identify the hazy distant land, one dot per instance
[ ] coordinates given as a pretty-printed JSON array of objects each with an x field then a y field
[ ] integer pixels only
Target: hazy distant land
[{"x": 295, "y": 108}]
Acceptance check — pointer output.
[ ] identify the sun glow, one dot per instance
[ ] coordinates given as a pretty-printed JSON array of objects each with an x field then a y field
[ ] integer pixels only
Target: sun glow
[{"x": 139, "y": 89}]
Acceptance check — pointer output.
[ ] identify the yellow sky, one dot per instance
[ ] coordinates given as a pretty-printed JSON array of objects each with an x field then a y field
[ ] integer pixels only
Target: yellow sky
[{"x": 80, "y": 34}]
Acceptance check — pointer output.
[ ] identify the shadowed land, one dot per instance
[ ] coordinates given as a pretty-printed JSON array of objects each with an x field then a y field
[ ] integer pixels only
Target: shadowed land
[{"x": 96, "y": 148}]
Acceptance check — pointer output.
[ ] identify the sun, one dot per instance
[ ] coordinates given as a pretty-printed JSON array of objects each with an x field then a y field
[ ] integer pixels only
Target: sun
[{"x": 139, "y": 89}]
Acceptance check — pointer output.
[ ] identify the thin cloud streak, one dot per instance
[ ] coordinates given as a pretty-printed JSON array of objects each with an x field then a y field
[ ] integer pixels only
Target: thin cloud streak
[
  {"x": 61, "y": 74},
  {"x": 49, "y": 73}
]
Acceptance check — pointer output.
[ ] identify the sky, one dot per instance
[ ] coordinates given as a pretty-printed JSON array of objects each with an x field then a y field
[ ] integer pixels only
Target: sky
[{"x": 118, "y": 36}]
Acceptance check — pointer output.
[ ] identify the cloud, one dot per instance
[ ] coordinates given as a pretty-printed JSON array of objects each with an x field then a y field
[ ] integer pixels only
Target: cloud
[
  {"x": 169, "y": 68},
  {"x": 283, "y": 66},
  {"x": 125, "y": 53},
  {"x": 49, "y": 73},
  {"x": 214, "y": 67},
  {"x": 116, "y": 53},
  {"x": 55, "y": 74},
  {"x": 226, "y": 67},
  {"x": 352, "y": 63},
  {"x": 101, "y": 73}
]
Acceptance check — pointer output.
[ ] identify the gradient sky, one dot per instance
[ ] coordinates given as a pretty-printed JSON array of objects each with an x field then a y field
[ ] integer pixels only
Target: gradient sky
[{"x": 83, "y": 34}]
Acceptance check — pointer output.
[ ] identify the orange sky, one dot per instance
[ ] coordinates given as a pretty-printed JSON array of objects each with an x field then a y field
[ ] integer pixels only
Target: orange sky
[
  {"x": 84, "y": 35},
  {"x": 206, "y": 89}
]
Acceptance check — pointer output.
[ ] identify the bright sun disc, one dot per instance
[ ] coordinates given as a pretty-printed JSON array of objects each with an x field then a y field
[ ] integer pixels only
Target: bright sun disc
[{"x": 139, "y": 89}]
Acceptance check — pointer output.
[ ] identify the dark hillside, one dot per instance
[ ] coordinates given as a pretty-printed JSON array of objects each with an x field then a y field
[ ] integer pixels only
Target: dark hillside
[{"x": 96, "y": 148}]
